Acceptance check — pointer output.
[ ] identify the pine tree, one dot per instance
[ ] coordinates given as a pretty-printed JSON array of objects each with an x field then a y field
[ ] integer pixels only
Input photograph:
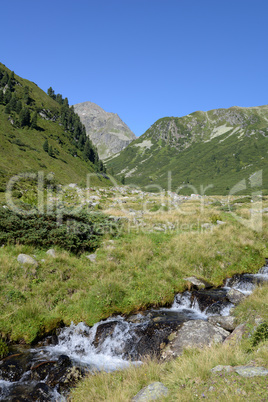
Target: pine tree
[
  {"x": 13, "y": 102},
  {"x": 25, "y": 117},
  {"x": 18, "y": 106},
  {"x": 50, "y": 151},
  {"x": 7, "y": 96},
  {"x": 26, "y": 96},
  {"x": 34, "y": 121},
  {"x": 59, "y": 99},
  {"x": 51, "y": 93},
  {"x": 4, "y": 79},
  {"x": 1, "y": 97},
  {"x": 46, "y": 146}
]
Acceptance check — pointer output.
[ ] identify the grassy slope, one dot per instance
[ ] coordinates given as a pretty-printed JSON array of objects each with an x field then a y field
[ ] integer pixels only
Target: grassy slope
[
  {"x": 22, "y": 149},
  {"x": 222, "y": 164},
  {"x": 69, "y": 288}
]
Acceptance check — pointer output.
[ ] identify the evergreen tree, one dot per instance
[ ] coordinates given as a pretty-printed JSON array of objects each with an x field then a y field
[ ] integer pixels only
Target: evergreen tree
[
  {"x": 10, "y": 84},
  {"x": 50, "y": 151},
  {"x": 1, "y": 97},
  {"x": 51, "y": 93},
  {"x": 46, "y": 146},
  {"x": 59, "y": 99},
  {"x": 18, "y": 106},
  {"x": 88, "y": 152},
  {"x": 26, "y": 96},
  {"x": 123, "y": 179},
  {"x": 13, "y": 102},
  {"x": 7, "y": 96},
  {"x": 25, "y": 117},
  {"x": 4, "y": 79},
  {"x": 34, "y": 121}
]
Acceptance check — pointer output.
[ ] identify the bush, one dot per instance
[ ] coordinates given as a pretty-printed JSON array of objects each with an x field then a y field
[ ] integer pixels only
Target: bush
[
  {"x": 73, "y": 232},
  {"x": 261, "y": 334}
]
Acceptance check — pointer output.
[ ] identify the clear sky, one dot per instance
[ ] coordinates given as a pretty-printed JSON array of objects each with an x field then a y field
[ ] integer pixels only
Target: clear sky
[{"x": 142, "y": 59}]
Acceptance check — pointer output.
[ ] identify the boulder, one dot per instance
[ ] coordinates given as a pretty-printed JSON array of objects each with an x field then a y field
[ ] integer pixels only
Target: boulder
[
  {"x": 27, "y": 259},
  {"x": 152, "y": 392},
  {"x": 235, "y": 296},
  {"x": 51, "y": 252},
  {"x": 251, "y": 371},
  {"x": 220, "y": 368},
  {"x": 236, "y": 336},
  {"x": 193, "y": 334},
  {"x": 226, "y": 322},
  {"x": 199, "y": 283},
  {"x": 92, "y": 257}
]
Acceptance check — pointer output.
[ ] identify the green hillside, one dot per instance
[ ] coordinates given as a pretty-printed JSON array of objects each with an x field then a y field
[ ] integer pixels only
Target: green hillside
[
  {"x": 39, "y": 133},
  {"x": 218, "y": 148}
]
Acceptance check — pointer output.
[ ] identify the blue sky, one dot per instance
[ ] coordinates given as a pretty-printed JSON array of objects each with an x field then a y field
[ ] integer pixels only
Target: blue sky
[{"x": 142, "y": 59}]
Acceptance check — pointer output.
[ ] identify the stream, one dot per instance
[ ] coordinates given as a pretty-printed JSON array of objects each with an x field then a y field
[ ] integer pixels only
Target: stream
[{"x": 48, "y": 371}]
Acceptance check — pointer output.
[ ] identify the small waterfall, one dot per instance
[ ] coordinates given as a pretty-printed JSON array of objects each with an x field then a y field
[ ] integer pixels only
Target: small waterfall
[
  {"x": 79, "y": 343},
  {"x": 193, "y": 309},
  {"x": 246, "y": 283},
  {"x": 185, "y": 303}
]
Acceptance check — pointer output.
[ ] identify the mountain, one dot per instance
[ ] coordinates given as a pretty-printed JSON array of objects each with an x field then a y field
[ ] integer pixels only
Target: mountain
[
  {"x": 106, "y": 130},
  {"x": 218, "y": 148},
  {"x": 39, "y": 132}
]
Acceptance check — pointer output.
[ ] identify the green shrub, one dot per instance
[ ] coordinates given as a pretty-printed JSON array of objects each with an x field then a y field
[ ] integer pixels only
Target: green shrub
[
  {"x": 261, "y": 334},
  {"x": 73, "y": 232}
]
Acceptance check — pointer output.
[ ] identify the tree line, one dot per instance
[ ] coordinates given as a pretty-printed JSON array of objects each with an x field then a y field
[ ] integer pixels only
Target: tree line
[
  {"x": 13, "y": 103},
  {"x": 72, "y": 123}
]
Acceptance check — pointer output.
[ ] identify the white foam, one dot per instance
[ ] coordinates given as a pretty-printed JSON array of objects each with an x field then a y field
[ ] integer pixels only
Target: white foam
[{"x": 76, "y": 341}]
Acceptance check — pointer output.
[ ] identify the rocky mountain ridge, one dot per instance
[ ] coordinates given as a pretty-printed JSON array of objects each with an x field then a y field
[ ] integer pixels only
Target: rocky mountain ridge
[
  {"x": 106, "y": 130},
  {"x": 217, "y": 148}
]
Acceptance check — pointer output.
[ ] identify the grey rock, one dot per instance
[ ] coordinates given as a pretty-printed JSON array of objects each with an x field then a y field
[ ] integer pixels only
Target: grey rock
[
  {"x": 235, "y": 296},
  {"x": 51, "y": 252},
  {"x": 227, "y": 322},
  {"x": 195, "y": 333},
  {"x": 236, "y": 336},
  {"x": 92, "y": 257},
  {"x": 27, "y": 259},
  {"x": 251, "y": 371},
  {"x": 159, "y": 229},
  {"x": 220, "y": 222},
  {"x": 152, "y": 392},
  {"x": 220, "y": 368},
  {"x": 106, "y": 130},
  {"x": 199, "y": 283}
]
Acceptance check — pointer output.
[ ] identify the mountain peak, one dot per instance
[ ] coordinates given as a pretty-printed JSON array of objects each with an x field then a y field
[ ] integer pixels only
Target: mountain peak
[{"x": 106, "y": 130}]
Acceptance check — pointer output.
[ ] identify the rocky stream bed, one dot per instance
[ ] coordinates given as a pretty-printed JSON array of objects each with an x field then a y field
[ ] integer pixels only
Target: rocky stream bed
[{"x": 199, "y": 317}]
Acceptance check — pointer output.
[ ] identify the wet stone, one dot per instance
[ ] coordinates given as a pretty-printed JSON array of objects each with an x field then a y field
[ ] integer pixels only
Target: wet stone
[
  {"x": 235, "y": 296},
  {"x": 10, "y": 370},
  {"x": 41, "y": 392}
]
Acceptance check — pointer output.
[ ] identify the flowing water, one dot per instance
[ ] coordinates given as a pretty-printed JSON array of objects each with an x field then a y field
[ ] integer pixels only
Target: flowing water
[{"x": 110, "y": 344}]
